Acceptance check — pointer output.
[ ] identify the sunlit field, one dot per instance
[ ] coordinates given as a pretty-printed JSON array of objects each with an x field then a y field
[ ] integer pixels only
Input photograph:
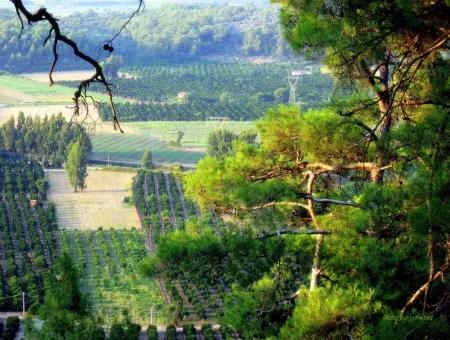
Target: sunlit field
[{"x": 99, "y": 205}]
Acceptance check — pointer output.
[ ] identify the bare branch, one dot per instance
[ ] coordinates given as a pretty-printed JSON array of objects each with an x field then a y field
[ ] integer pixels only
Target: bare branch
[
  {"x": 273, "y": 204},
  {"x": 332, "y": 201},
  {"x": 294, "y": 232},
  {"x": 80, "y": 99},
  {"x": 425, "y": 287},
  {"x": 140, "y": 8}
]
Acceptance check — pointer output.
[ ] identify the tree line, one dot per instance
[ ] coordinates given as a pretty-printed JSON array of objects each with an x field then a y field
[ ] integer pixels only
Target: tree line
[
  {"x": 45, "y": 140},
  {"x": 197, "y": 91}
]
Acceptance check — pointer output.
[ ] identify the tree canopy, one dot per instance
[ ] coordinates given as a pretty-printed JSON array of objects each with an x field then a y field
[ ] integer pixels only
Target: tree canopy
[
  {"x": 76, "y": 164},
  {"x": 368, "y": 175}
]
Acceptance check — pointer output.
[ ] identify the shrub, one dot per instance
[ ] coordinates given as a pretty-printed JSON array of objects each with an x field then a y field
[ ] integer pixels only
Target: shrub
[
  {"x": 208, "y": 332},
  {"x": 117, "y": 332},
  {"x": 12, "y": 326},
  {"x": 171, "y": 332},
  {"x": 190, "y": 332},
  {"x": 152, "y": 332},
  {"x": 132, "y": 331}
]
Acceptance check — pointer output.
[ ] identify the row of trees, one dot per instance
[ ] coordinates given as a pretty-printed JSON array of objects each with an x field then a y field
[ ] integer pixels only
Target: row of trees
[
  {"x": 196, "y": 91},
  {"x": 66, "y": 313},
  {"x": 27, "y": 245},
  {"x": 42, "y": 139}
]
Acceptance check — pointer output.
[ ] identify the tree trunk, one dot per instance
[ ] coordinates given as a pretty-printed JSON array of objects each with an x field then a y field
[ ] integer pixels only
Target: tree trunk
[{"x": 315, "y": 271}]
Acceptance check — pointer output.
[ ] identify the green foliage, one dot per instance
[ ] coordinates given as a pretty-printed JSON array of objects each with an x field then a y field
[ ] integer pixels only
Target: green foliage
[
  {"x": 220, "y": 143},
  {"x": 171, "y": 332},
  {"x": 147, "y": 159},
  {"x": 152, "y": 332},
  {"x": 62, "y": 291},
  {"x": 315, "y": 136},
  {"x": 237, "y": 91},
  {"x": 415, "y": 326},
  {"x": 11, "y": 327},
  {"x": 117, "y": 332},
  {"x": 156, "y": 34},
  {"x": 330, "y": 313},
  {"x": 76, "y": 165},
  {"x": 124, "y": 330},
  {"x": 65, "y": 311},
  {"x": 44, "y": 140}
]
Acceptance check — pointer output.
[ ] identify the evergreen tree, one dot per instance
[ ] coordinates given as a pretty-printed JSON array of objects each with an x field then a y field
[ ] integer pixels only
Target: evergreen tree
[
  {"x": 147, "y": 160},
  {"x": 65, "y": 310},
  {"x": 76, "y": 165},
  {"x": 220, "y": 142}
]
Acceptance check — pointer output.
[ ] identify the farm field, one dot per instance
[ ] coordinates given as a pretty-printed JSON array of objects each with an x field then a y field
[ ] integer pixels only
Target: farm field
[
  {"x": 28, "y": 235},
  {"x": 157, "y": 136},
  {"x": 100, "y": 204},
  {"x": 108, "y": 261},
  {"x": 58, "y": 76},
  {"x": 21, "y": 90},
  {"x": 31, "y": 95},
  {"x": 129, "y": 148},
  {"x": 34, "y": 110},
  {"x": 160, "y": 200},
  {"x": 195, "y": 132}
]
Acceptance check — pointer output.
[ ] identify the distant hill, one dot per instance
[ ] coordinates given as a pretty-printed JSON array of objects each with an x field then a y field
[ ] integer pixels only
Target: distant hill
[
  {"x": 93, "y": 4},
  {"x": 175, "y": 33}
]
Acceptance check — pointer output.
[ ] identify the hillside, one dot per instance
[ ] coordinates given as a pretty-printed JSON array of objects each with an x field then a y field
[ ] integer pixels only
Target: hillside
[{"x": 157, "y": 33}]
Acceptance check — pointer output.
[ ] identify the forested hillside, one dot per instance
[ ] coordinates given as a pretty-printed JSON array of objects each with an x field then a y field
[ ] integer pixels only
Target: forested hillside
[{"x": 169, "y": 32}]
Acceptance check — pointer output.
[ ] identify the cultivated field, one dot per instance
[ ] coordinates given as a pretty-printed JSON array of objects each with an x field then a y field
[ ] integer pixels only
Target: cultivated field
[
  {"x": 36, "y": 110},
  {"x": 59, "y": 76},
  {"x": 108, "y": 261},
  {"x": 157, "y": 136},
  {"x": 37, "y": 98},
  {"x": 129, "y": 148},
  {"x": 195, "y": 132},
  {"x": 21, "y": 90},
  {"x": 99, "y": 205}
]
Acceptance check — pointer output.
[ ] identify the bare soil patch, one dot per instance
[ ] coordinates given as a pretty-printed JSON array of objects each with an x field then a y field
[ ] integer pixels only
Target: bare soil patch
[{"x": 99, "y": 205}]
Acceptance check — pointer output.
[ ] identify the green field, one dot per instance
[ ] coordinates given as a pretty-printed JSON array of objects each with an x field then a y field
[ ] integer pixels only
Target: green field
[
  {"x": 18, "y": 90},
  {"x": 107, "y": 260},
  {"x": 195, "y": 132},
  {"x": 157, "y": 136}
]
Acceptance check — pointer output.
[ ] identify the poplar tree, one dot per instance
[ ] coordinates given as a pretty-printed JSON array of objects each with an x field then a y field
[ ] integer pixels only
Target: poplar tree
[{"x": 76, "y": 165}]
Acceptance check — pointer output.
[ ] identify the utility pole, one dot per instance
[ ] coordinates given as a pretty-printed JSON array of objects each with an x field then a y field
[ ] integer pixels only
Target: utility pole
[
  {"x": 151, "y": 315},
  {"x": 293, "y": 81}
]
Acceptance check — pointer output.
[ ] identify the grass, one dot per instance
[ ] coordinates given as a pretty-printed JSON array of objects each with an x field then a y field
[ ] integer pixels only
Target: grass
[
  {"x": 108, "y": 262},
  {"x": 20, "y": 90},
  {"x": 100, "y": 204},
  {"x": 130, "y": 147},
  {"x": 195, "y": 133},
  {"x": 59, "y": 76},
  {"x": 29, "y": 91},
  {"x": 157, "y": 136}
]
